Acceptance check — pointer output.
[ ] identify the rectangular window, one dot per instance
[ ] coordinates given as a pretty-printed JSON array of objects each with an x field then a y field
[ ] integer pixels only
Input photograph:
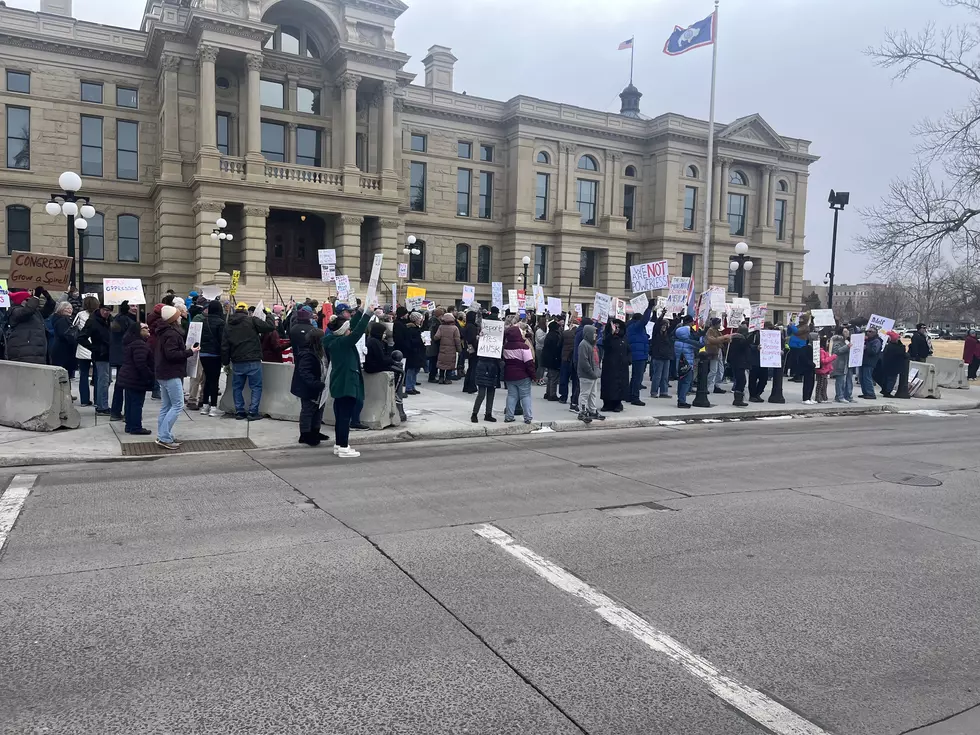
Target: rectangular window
[
  {"x": 127, "y": 97},
  {"x": 223, "y": 128},
  {"x": 91, "y": 146},
  {"x": 736, "y": 281},
  {"x": 486, "y": 153},
  {"x": 360, "y": 151},
  {"x": 416, "y": 188},
  {"x": 779, "y": 219},
  {"x": 777, "y": 289},
  {"x": 737, "y": 204},
  {"x": 18, "y": 137},
  {"x": 419, "y": 142},
  {"x": 18, "y": 81},
  {"x": 465, "y": 149},
  {"x": 93, "y": 238},
  {"x": 308, "y": 100},
  {"x": 486, "y": 195},
  {"x": 274, "y": 141},
  {"x": 690, "y": 207},
  {"x": 464, "y": 181},
  {"x": 687, "y": 265},
  {"x": 129, "y": 238},
  {"x": 18, "y": 229},
  {"x": 541, "y": 197},
  {"x": 416, "y": 263},
  {"x": 586, "y": 269},
  {"x": 127, "y": 150},
  {"x": 92, "y": 92},
  {"x": 631, "y": 259},
  {"x": 484, "y": 257},
  {"x": 629, "y": 202},
  {"x": 588, "y": 196},
  {"x": 308, "y": 146},
  {"x": 540, "y": 274},
  {"x": 272, "y": 94}
]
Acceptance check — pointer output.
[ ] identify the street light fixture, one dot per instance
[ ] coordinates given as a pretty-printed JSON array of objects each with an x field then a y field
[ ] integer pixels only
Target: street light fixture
[
  {"x": 67, "y": 203},
  {"x": 742, "y": 261},
  {"x": 409, "y": 251},
  {"x": 526, "y": 261},
  {"x": 217, "y": 234},
  {"x": 838, "y": 200}
]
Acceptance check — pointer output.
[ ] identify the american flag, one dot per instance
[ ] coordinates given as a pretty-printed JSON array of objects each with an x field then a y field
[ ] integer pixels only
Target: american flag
[{"x": 626, "y": 44}]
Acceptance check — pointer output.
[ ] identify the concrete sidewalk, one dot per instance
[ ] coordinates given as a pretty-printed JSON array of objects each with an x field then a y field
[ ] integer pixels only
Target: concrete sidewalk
[{"x": 441, "y": 412}]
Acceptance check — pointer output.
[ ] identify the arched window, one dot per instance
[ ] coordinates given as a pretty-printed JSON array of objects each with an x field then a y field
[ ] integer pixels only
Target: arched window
[
  {"x": 289, "y": 39},
  {"x": 128, "y": 238},
  {"x": 588, "y": 163},
  {"x": 543, "y": 157},
  {"x": 783, "y": 186},
  {"x": 18, "y": 229},
  {"x": 630, "y": 172},
  {"x": 312, "y": 50},
  {"x": 484, "y": 257},
  {"x": 293, "y": 40},
  {"x": 738, "y": 178},
  {"x": 93, "y": 238},
  {"x": 462, "y": 262},
  {"x": 416, "y": 263},
  {"x": 692, "y": 172}
]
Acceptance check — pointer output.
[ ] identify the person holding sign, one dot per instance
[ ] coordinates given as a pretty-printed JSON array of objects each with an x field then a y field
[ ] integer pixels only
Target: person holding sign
[
  {"x": 840, "y": 348},
  {"x": 27, "y": 339},
  {"x": 489, "y": 369},
  {"x": 872, "y": 356},
  {"x": 615, "y": 381},
  {"x": 639, "y": 345}
]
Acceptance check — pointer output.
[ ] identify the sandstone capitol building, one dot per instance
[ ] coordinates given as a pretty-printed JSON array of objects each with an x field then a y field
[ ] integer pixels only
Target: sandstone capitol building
[{"x": 296, "y": 121}]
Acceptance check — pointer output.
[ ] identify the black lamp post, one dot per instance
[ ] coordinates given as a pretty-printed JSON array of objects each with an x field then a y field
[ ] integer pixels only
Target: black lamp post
[
  {"x": 838, "y": 200},
  {"x": 78, "y": 211},
  {"x": 526, "y": 261},
  {"x": 743, "y": 262}
]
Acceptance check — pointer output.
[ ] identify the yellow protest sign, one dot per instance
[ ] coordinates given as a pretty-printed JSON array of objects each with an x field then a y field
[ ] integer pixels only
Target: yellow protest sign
[{"x": 235, "y": 275}]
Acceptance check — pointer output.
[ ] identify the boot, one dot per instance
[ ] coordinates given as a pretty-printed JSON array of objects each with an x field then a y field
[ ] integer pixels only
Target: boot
[
  {"x": 739, "y": 400},
  {"x": 757, "y": 399},
  {"x": 474, "y": 419}
]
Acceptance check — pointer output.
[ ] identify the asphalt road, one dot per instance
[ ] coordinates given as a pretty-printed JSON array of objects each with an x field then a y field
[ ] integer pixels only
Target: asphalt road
[{"x": 292, "y": 593}]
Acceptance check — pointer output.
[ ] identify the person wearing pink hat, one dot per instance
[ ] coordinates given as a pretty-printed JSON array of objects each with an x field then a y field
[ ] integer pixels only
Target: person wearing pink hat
[{"x": 27, "y": 338}]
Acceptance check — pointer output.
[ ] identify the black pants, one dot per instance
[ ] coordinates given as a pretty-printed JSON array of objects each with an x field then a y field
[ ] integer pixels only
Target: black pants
[
  {"x": 971, "y": 374},
  {"x": 738, "y": 380},
  {"x": 134, "y": 408},
  {"x": 343, "y": 409},
  {"x": 758, "y": 380},
  {"x": 212, "y": 373},
  {"x": 469, "y": 385},
  {"x": 310, "y": 416},
  {"x": 118, "y": 394},
  {"x": 487, "y": 393},
  {"x": 806, "y": 369}
]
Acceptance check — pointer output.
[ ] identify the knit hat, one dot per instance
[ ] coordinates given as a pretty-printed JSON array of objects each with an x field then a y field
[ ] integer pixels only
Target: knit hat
[
  {"x": 277, "y": 308},
  {"x": 415, "y": 317},
  {"x": 341, "y": 327},
  {"x": 169, "y": 314},
  {"x": 19, "y": 297},
  {"x": 215, "y": 308}
]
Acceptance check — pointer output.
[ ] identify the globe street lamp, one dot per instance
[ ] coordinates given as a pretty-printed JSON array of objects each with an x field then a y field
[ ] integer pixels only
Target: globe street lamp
[
  {"x": 79, "y": 211},
  {"x": 217, "y": 234},
  {"x": 741, "y": 260},
  {"x": 409, "y": 251},
  {"x": 526, "y": 261},
  {"x": 838, "y": 200}
]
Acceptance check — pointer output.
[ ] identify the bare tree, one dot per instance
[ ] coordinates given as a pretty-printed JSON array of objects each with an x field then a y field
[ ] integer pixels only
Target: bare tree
[
  {"x": 928, "y": 288},
  {"x": 890, "y": 300}
]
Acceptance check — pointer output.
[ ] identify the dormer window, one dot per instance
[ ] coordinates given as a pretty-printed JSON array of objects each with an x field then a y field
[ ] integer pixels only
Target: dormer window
[{"x": 289, "y": 39}]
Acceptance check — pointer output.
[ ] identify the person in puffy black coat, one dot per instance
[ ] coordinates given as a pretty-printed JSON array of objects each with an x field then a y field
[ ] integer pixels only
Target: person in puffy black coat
[
  {"x": 308, "y": 384},
  {"x": 212, "y": 333},
  {"x": 121, "y": 323},
  {"x": 739, "y": 360},
  {"x": 413, "y": 348},
  {"x": 95, "y": 336},
  {"x": 471, "y": 343},
  {"x": 136, "y": 376},
  {"x": 661, "y": 356},
  {"x": 27, "y": 337},
  {"x": 64, "y": 342},
  {"x": 615, "y": 380},
  {"x": 487, "y": 377},
  {"x": 377, "y": 360},
  {"x": 893, "y": 358},
  {"x": 550, "y": 360}
]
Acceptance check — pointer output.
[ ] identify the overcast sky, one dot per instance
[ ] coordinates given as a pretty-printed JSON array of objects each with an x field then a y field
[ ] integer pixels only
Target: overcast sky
[{"x": 799, "y": 63}]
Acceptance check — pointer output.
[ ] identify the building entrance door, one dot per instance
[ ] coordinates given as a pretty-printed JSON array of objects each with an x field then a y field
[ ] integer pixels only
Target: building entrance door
[{"x": 292, "y": 244}]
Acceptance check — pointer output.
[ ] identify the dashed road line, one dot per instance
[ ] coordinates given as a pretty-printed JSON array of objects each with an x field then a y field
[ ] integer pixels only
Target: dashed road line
[
  {"x": 12, "y": 502},
  {"x": 754, "y": 704}
]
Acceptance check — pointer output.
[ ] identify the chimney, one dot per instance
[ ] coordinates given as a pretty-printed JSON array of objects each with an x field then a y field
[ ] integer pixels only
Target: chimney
[
  {"x": 439, "y": 68},
  {"x": 57, "y": 7}
]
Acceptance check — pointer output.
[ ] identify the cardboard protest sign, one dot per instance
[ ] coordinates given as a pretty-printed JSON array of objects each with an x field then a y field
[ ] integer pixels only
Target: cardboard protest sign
[
  {"x": 600, "y": 307},
  {"x": 235, "y": 278},
  {"x": 29, "y": 270},
  {"x": 193, "y": 338},
  {"x": 497, "y": 295},
  {"x": 491, "y": 340},
  {"x": 856, "y": 356},
  {"x": 640, "y": 303},
  {"x": 414, "y": 296},
  {"x": 343, "y": 288},
  {"x": 403, "y": 270},
  {"x": 881, "y": 323},
  {"x": 211, "y": 292},
  {"x": 680, "y": 295},
  {"x": 327, "y": 257},
  {"x": 4, "y": 295},
  {"x": 770, "y": 348},
  {"x": 554, "y": 306},
  {"x": 649, "y": 276},
  {"x": 759, "y": 314},
  {"x": 328, "y": 273},
  {"x": 620, "y": 309},
  {"x": 117, "y": 290},
  {"x": 521, "y": 299},
  {"x": 469, "y": 293},
  {"x": 512, "y": 300},
  {"x": 371, "y": 297},
  {"x": 823, "y": 318},
  {"x": 539, "y": 301}
]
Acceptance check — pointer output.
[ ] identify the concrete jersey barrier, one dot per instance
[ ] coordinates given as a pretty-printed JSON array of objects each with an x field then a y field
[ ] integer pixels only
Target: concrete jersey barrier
[
  {"x": 36, "y": 397},
  {"x": 380, "y": 410},
  {"x": 927, "y": 374},
  {"x": 277, "y": 402},
  {"x": 950, "y": 372}
]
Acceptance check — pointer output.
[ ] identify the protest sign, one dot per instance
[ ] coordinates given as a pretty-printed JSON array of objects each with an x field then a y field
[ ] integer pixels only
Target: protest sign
[
  {"x": 744, "y": 304},
  {"x": 680, "y": 295},
  {"x": 794, "y": 318},
  {"x": 403, "y": 270},
  {"x": 770, "y": 348},
  {"x": 426, "y": 338},
  {"x": 28, "y": 270},
  {"x": 371, "y": 297},
  {"x": 704, "y": 308},
  {"x": 414, "y": 296},
  {"x": 117, "y": 290},
  {"x": 881, "y": 323},
  {"x": 211, "y": 292},
  {"x": 235, "y": 278},
  {"x": 491, "y": 340},
  {"x": 823, "y": 318},
  {"x": 394, "y": 295},
  {"x": 497, "y": 295},
  {"x": 620, "y": 309},
  {"x": 649, "y": 276},
  {"x": 343, "y": 288},
  {"x": 554, "y": 306},
  {"x": 716, "y": 295},
  {"x": 521, "y": 299},
  {"x": 816, "y": 353},
  {"x": 512, "y": 300},
  {"x": 735, "y": 315},
  {"x": 578, "y": 310},
  {"x": 539, "y": 301},
  {"x": 328, "y": 273},
  {"x": 640, "y": 303},
  {"x": 193, "y": 338},
  {"x": 469, "y": 293},
  {"x": 856, "y": 356},
  {"x": 327, "y": 257},
  {"x": 260, "y": 309},
  {"x": 759, "y": 314},
  {"x": 4, "y": 295},
  {"x": 600, "y": 307},
  {"x": 661, "y": 304}
]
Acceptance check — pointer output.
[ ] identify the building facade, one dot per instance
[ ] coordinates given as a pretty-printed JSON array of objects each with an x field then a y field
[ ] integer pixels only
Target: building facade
[{"x": 296, "y": 122}]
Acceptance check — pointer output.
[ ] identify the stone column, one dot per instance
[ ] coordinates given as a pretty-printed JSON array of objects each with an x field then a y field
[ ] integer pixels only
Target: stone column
[
  {"x": 616, "y": 196},
  {"x": 566, "y": 154},
  {"x": 254, "y": 246},
  {"x": 291, "y": 142},
  {"x": 771, "y": 173},
  {"x": 726, "y": 164},
  {"x": 388, "y": 126},
  {"x": 764, "y": 182},
  {"x": 206, "y": 56},
  {"x": 388, "y": 246},
  {"x": 234, "y": 142},
  {"x": 716, "y": 191},
  {"x": 208, "y": 252},
  {"x": 349, "y": 83},
  {"x": 291, "y": 88},
  {"x": 170, "y": 169},
  {"x": 255, "y": 163},
  {"x": 347, "y": 242}
]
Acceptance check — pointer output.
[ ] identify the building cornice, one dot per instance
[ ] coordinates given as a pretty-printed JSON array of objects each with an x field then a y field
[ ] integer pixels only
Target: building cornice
[{"x": 70, "y": 47}]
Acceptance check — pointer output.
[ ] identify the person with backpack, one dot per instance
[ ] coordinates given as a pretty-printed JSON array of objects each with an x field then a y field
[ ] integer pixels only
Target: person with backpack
[
  {"x": 26, "y": 333},
  {"x": 241, "y": 347},
  {"x": 686, "y": 345}
]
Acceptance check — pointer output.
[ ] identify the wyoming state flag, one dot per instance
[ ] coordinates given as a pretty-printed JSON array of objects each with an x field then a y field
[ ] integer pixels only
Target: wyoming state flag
[{"x": 694, "y": 36}]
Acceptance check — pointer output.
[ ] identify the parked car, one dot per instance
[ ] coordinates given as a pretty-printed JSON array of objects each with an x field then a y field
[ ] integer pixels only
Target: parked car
[{"x": 931, "y": 335}]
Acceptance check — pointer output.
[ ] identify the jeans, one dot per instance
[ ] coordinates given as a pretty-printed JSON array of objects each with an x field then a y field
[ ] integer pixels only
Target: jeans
[
  {"x": 715, "y": 369},
  {"x": 252, "y": 372},
  {"x": 519, "y": 391},
  {"x": 310, "y": 416},
  {"x": 589, "y": 403},
  {"x": 659, "y": 377},
  {"x": 867, "y": 380},
  {"x": 843, "y": 386},
  {"x": 411, "y": 378},
  {"x": 636, "y": 378},
  {"x": 118, "y": 394},
  {"x": 683, "y": 386},
  {"x": 567, "y": 373},
  {"x": 102, "y": 379},
  {"x": 134, "y": 409},
  {"x": 172, "y": 403},
  {"x": 343, "y": 409},
  {"x": 212, "y": 374},
  {"x": 84, "y": 390}
]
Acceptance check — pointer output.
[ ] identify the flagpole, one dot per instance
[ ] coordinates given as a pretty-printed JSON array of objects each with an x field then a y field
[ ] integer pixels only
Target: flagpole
[
  {"x": 632, "y": 51},
  {"x": 711, "y": 156}
]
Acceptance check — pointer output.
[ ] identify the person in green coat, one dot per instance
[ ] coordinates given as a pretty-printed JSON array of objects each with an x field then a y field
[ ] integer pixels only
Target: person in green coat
[{"x": 346, "y": 381}]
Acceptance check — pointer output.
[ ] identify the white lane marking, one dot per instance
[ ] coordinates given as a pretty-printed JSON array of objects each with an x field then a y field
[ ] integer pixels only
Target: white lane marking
[
  {"x": 775, "y": 418},
  {"x": 931, "y": 412},
  {"x": 11, "y": 503},
  {"x": 754, "y": 704}
]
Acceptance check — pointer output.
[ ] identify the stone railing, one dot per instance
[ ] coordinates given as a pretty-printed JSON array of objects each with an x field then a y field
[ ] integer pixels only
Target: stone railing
[
  {"x": 303, "y": 175},
  {"x": 370, "y": 183},
  {"x": 232, "y": 167}
]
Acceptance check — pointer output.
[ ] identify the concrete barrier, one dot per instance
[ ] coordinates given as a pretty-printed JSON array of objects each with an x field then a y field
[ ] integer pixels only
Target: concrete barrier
[
  {"x": 380, "y": 410},
  {"x": 277, "y": 402},
  {"x": 950, "y": 372},
  {"x": 36, "y": 397},
  {"x": 930, "y": 384}
]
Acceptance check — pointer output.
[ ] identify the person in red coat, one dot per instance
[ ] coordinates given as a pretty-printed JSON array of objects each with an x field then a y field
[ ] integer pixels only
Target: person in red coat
[{"x": 971, "y": 354}]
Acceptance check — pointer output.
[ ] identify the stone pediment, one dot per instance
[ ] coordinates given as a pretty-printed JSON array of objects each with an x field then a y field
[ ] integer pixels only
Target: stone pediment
[{"x": 753, "y": 130}]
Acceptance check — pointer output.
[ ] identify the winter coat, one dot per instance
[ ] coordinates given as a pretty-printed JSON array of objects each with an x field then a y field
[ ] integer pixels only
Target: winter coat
[
  {"x": 636, "y": 335},
  {"x": 79, "y": 323},
  {"x": 346, "y": 380},
  {"x": 27, "y": 337},
  {"x": 151, "y": 321},
  {"x": 518, "y": 358},
  {"x": 434, "y": 322},
  {"x": 307, "y": 379},
  {"x": 298, "y": 333},
  {"x": 488, "y": 372},
  {"x": 539, "y": 337},
  {"x": 662, "y": 341},
  {"x": 137, "y": 371},
  {"x": 121, "y": 323},
  {"x": 271, "y": 347},
  {"x": 170, "y": 356},
  {"x": 892, "y": 358},
  {"x": 64, "y": 343},
  {"x": 212, "y": 332},
  {"x": 568, "y": 345},
  {"x": 376, "y": 361},
  {"x": 739, "y": 352},
  {"x": 826, "y": 362},
  {"x": 872, "y": 352},
  {"x": 412, "y": 347},
  {"x": 798, "y": 335},
  {"x": 471, "y": 334},
  {"x": 919, "y": 350},
  {"x": 615, "y": 384},
  {"x": 587, "y": 363},
  {"x": 551, "y": 353},
  {"x": 447, "y": 335},
  {"x": 841, "y": 352},
  {"x": 580, "y": 335},
  {"x": 685, "y": 344},
  {"x": 241, "y": 340},
  {"x": 95, "y": 337},
  {"x": 971, "y": 348},
  {"x": 713, "y": 341},
  {"x": 399, "y": 332}
]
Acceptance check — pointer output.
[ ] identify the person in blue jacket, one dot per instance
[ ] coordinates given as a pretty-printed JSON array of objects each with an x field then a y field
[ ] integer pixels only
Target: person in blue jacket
[
  {"x": 872, "y": 355},
  {"x": 686, "y": 345},
  {"x": 636, "y": 336}
]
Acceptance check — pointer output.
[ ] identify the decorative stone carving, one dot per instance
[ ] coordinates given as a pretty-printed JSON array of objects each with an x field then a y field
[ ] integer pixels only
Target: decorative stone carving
[
  {"x": 232, "y": 7},
  {"x": 255, "y": 211},
  {"x": 206, "y": 52},
  {"x": 399, "y": 104},
  {"x": 389, "y": 88},
  {"x": 390, "y": 223},
  {"x": 566, "y": 147},
  {"x": 206, "y": 205},
  {"x": 770, "y": 168},
  {"x": 170, "y": 62},
  {"x": 291, "y": 126},
  {"x": 370, "y": 35},
  {"x": 352, "y": 219},
  {"x": 253, "y": 62},
  {"x": 350, "y": 81}
]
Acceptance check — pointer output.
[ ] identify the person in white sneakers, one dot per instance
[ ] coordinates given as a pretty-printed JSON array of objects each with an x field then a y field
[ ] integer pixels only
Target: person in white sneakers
[{"x": 346, "y": 381}]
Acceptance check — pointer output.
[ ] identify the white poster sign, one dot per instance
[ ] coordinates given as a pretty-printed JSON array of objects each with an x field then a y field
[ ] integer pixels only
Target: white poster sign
[
  {"x": 816, "y": 354},
  {"x": 661, "y": 304},
  {"x": 512, "y": 300},
  {"x": 260, "y": 309},
  {"x": 497, "y": 295},
  {"x": 371, "y": 298},
  {"x": 716, "y": 295},
  {"x": 736, "y": 315},
  {"x": 327, "y": 257},
  {"x": 4, "y": 294},
  {"x": 759, "y": 314},
  {"x": 640, "y": 303},
  {"x": 649, "y": 276},
  {"x": 578, "y": 310},
  {"x": 554, "y": 306},
  {"x": 679, "y": 296},
  {"x": 394, "y": 295},
  {"x": 117, "y": 290},
  {"x": 881, "y": 323},
  {"x": 491, "y": 339},
  {"x": 770, "y": 348},
  {"x": 403, "y": 270},
  {"x": 600, "y": 307},
  {"x": 328, "y": 273},
  {"x": 211, "y": 292},
  {"x": 540, "y": 304},
  {"x": 856, "y": 356},
  {"x": 193, "y": 338},
  {"x": 469, "y": 293},
  {"x": 620, "y": 309},
  {"x": 343, "y": 288},
  {"x": 823, "y": 318}
]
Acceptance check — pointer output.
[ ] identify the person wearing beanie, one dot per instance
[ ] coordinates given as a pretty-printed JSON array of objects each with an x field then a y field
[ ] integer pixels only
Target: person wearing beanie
[
  {"x": 413, "y": 348},
  {"x": 212, "y": 332},
  {"x": 303, "y": 324},
  {"x": 151, "y": 321},
  {"x": 95, "y": 337},
  {"x": 170, "y": 361},
  {"x": 121, "y": 323},
  {"x": 893, "y": 358},
  {"x": 309, "y": 385},
  {"x": 241, "y": 347},
  {"x": 714, "y": 342},
  {"x": 190, "y": 299},
  {"x": 136, "y": 376},
  {"x": 346, "y": 381},
  {"x": 83, "y": 357},
  {"x": 27, "y": 337},
  {"x": 64, "y": 339}
]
